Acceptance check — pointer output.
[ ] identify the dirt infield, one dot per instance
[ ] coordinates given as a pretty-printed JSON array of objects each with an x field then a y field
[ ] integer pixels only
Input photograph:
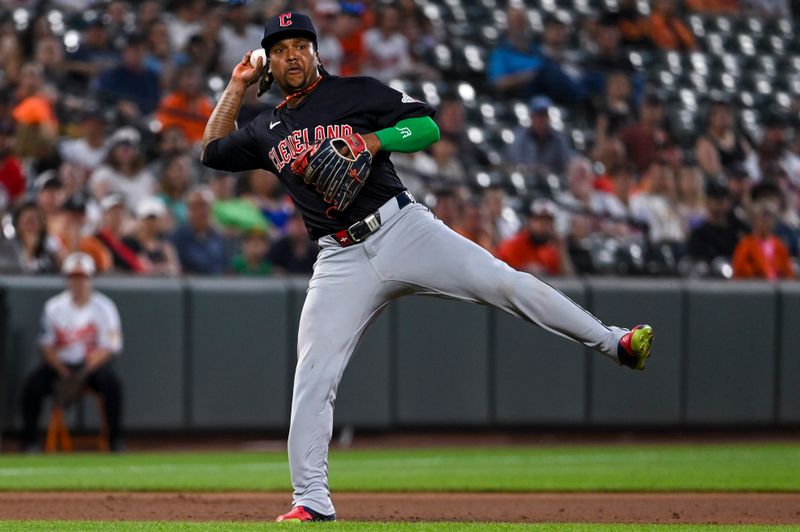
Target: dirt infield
[{"x": 723, "y": 508}]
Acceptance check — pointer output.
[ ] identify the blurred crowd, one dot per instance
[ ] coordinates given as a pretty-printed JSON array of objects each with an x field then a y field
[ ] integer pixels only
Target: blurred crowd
[{"x": 103, "y": 106}]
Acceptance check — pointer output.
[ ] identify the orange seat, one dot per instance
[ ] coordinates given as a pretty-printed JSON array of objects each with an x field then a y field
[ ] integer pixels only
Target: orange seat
[{"x": 58, "y": 437}]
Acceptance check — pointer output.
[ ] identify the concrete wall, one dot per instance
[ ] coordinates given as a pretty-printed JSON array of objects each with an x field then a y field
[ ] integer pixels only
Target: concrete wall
[{"x": 220, "y": 354}]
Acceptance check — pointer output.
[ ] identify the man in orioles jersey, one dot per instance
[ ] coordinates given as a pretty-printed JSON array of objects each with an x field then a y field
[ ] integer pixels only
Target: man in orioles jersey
[
  {"x": 329, "y": 142},
  {"x": 79, "y": 335}
]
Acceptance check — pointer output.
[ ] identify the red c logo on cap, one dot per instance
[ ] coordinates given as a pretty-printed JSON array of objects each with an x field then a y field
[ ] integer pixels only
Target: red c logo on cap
[{"x": 285, "y": 20}]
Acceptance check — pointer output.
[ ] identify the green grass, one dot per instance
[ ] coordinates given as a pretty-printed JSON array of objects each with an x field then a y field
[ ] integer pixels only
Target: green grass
[
  {"x": 765, "y": 467},
  {"x": 126, "y": 526}
]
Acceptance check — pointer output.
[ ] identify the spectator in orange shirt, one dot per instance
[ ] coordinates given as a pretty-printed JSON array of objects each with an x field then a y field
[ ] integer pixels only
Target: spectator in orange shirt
[
  {"x": 666, "y": 30},
  {"x": 350, "y": 31},
  {"x": 761, "y": 254},
  {"x": 535, "y": 249},
  {"x": 187, "y": 107},
  {"x": 37, "y": 125}
]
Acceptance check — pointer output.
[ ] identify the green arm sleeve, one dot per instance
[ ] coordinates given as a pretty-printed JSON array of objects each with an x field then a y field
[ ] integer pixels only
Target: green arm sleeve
[{"x": 409, "y": 135}]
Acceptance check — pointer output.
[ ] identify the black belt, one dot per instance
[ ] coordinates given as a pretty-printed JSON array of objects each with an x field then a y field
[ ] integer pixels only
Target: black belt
[{"x": 359, "y": 231}]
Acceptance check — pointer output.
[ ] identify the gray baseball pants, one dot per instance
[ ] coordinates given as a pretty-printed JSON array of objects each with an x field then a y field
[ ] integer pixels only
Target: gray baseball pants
[{"x": 411, "y": 253}]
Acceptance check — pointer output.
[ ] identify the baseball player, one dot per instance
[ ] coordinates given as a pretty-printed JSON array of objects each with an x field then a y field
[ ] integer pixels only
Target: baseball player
[
  {"x": 80, "y": 333},
  {"x": 329, "y": 141}
]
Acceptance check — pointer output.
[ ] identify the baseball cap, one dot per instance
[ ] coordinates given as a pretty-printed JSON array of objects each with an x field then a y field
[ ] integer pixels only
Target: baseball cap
[
  {"x": 151, "y": 206},
  {"x": 111, "y": 201},
  {"x": 543, "y": 207},
  {"x": 47, "y": 180},
  {"x": 715, "y": 189},
  {"x": 125, "y": 135},
  {"x": 78, "y": 264},
  {"x": 76, "y": 203},
  {"x": 540, "y": 104},
  {"x": 285, "y": 25}
]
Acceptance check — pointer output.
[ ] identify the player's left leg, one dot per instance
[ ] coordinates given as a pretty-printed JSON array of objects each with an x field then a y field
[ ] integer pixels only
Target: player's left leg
[
  {"x": 423, "y": 252},
  {"x": 105, "y": 382}
]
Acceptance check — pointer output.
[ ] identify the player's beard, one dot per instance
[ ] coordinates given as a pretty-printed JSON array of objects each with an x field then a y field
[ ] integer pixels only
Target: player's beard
[{"x": 295, "y": 83}]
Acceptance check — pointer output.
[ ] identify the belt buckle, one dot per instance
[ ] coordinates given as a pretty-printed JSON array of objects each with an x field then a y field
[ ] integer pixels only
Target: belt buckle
[{"x": 372, "y": 223}]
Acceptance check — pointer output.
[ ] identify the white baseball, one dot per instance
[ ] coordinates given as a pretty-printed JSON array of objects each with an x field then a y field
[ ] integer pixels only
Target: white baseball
[{"x": 255, "y": 55}]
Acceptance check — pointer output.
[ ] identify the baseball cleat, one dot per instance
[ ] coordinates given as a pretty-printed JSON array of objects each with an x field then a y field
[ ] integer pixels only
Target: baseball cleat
[
  {"x": 301, "y": 513},
  {"x": 634, "y": 348}
]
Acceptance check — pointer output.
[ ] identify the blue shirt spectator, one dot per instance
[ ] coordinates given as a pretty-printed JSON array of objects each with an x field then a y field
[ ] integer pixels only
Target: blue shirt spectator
[
  {"x": 540, "y": 150},
  {"x": 201, "y": 249},
  {"x": 131, "y": 85}
]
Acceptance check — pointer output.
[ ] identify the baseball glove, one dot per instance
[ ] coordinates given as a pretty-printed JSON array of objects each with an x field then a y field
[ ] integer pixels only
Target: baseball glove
[
  {"x": 337, "y": 168},
  {"x": 67, "y": 391}
]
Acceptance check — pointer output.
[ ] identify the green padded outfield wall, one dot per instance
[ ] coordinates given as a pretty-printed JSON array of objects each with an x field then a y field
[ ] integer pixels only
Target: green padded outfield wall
[
  {"x": 731, "y": 353},
  {"x": 539, "y": 378},
  {"x": 442, "y": 366},
  {"x": 789, "y": 358},
  {"x": 238, "y": 340},
  {"x": 620, "y": 396}
]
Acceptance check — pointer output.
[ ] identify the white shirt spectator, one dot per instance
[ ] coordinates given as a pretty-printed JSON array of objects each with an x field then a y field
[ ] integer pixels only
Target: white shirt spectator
[
  {"x": 387, "y": 57},
  {"x": 234, "y": 46},
  {"x": 664, "y": 220},
  {"x": 330, "y": 51},
  {"x": 76, "y": 331},
  {"x": 80, "y": 152},
  {"x": 105, "y": 180}
]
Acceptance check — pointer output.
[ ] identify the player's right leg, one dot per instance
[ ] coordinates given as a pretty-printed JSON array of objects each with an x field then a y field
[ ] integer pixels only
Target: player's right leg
[
  {"x": 424, "y": 252},
  {"x": 343, "y": 298}
]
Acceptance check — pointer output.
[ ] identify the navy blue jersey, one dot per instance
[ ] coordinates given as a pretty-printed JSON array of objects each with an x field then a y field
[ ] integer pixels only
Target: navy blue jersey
[{"x": 337, "y": 107}]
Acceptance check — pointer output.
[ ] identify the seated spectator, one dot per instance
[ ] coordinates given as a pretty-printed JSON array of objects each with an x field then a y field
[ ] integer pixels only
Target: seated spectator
[
  {"x": 80, "y": 334},
  {"x": 443, "y": 163},
  {"x": 691, "y": 201},
  {"x": 615, "y": 110},
  {"x": 645, "y": 138},
  {"x": 201, "y": 249},
  {"x": 474, "y": 226},
  {"x": 503, "y": 220},
  {"x": 238, "y": 35},
  {"x": 774, "y": 191},
  {"x": 12, "y": 179},
  {"x": 718, "y": 235},
  {"x": 94, "y": 54},
  {"x": 253, "y": 258},
  {"x": 539, "y": 150},
  {"x": 155, "y": 253},
  {"x": 111, "y": 236},
  {"x": 50, "y": 197},
  {"x": 632, "y": 25},
  {"x": 535, "y": 249},
  {"x": 658, "y": 206},
  {"x": 131, "y": 86},
  {"x": 450, "y": 119},
  {"x": 518, "y": 68},
  {"x": 326, "y": 19},
  {"x": 123, "y": 172},
  {"x": 722, "y": 148},
  {"x": 761, "y": 254},
  {"x": 294, "y": 253},
  {"x": 387, "y": 56},
  {"x": 350, "y": 32},
  {"x": 70, "y": 227},
  {"x": 159, "y": 57},
  {"x": 185, "y": 20},
  {"x": 448, "y": 207},
  {"x": 176, "y": 180},
  {"x": 607, "y": 58},
  {"x": 89, "y": 150},
  {"x": 31, "y": 249},
  {"x": 187, "y": 107},
  {"x": 774, "y": 150},
  {"x": 264, "y": 190},
  {"x": 666, "y": 30}
]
